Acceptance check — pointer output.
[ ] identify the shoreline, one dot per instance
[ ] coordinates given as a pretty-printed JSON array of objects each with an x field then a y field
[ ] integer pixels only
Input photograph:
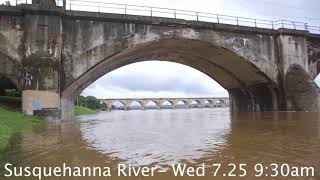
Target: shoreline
[{"x": 13, "y": 123}]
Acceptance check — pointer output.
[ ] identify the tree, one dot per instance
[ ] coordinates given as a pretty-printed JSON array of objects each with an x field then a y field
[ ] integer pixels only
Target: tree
[{"x": 90, "y": 102}]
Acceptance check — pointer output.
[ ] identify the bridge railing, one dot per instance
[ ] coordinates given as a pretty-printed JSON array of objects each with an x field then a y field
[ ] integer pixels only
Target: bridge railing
[
  {"x": 105, "y": 7},
  {"x": 18, "y": 2}
]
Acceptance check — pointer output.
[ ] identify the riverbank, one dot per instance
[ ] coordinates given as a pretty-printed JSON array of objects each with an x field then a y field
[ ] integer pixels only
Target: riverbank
[
  {"x": 80, "y": 110},
  {"x": 11, "y": 123}
]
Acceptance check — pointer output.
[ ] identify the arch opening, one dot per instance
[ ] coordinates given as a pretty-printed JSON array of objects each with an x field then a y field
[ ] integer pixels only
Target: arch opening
[
  {"x": 151, "y": 105},
  {"x": 317, "y": 79},
  {"x": 10, "y": 94},
  {"x": 318, "y": 68},
  {"x": 135, "y": 105},
  {"x": 167, "y": 105},
  {"x": 208, "y": 104},
  {"x": 181, "y": 104},
  {"x": 195, "y": 104},
  {"x": 118, "y": 105},
  {"x": 7, "y": 87},
  {"x": 237, "y": 75}
]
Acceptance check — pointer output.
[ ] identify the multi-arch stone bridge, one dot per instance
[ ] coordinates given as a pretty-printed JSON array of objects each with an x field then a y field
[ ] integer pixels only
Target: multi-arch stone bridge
[
  {"x": 52, "y": 54},
  {"x": 174, "y": 102}
]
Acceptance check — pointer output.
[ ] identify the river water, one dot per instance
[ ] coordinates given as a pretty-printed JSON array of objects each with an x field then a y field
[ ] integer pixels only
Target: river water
[{"x": 159, "y": 138}]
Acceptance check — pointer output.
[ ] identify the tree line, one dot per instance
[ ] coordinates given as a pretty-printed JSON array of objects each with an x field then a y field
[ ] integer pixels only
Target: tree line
[{"x": 90, "y": 102}]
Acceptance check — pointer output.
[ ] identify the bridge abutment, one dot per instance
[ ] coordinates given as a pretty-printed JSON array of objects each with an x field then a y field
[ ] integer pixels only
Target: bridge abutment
[{"x": 299, "y": 88}]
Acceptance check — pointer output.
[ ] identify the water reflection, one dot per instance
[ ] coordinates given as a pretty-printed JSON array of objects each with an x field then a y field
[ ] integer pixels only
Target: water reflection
[{"x": 159, "y": 138}]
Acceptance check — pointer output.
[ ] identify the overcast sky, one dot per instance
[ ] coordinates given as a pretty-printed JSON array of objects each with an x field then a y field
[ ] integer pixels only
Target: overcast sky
[
  {"x": 155, "y": 79},
  {"x": 164, "y": 79}
]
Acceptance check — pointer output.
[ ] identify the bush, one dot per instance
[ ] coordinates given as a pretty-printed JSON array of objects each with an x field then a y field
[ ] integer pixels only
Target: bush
[{"x": 12, "y": 92}]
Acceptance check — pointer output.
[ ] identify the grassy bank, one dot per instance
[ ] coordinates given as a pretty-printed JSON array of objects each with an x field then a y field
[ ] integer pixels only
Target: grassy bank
[
  {"x": 12, "y": 122},
  {"x": 80, "y": 110}
]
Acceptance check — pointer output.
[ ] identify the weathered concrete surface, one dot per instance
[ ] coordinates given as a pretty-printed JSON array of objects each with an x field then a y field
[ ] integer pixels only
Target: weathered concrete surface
[
  {"x": 314, "y": 55},
  {"x": 11, "y": 47},
  {"x": 63, "y": 52},
  {"x": 299, "y": 88},
  {"x": 201, "y": 102},
  {"x": 88, "y": 46},
  {"x": 37, "y": 100},
  {"x": 240, "y": 61},
  {"x": 42, "y": 43}
]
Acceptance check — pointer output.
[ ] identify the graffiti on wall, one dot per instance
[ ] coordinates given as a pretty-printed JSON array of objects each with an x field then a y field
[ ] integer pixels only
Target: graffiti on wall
[
  {"x": 26, "y": 78},
  {"x": 36, "y": 105}
]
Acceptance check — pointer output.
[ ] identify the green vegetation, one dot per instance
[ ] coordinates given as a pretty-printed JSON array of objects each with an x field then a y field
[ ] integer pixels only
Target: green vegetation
[
  {"x": 80, "y": 110},
  {"x": 12, "y": 92},
  {"x": 9, "y": 99},
  {"x": 90, "y": 102},
  {"x": 87, "y": 105},
  {"x": 12, "y": 123},
  {"x": 12, "y": 103}
]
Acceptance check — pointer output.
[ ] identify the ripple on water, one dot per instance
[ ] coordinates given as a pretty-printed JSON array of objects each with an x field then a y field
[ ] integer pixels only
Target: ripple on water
[{"x": 141, "y": 137}]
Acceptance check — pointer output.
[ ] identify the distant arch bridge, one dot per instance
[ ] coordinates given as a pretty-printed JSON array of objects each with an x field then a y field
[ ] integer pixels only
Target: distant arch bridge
[{"x": 187, "y": 102}]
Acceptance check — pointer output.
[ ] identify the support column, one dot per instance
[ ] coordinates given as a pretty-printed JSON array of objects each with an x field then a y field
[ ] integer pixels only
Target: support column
[
  {"x": 300, "y": 91},
  {"x": 174, "y": 103},
  {"x": 274, "y": 99},
  {"x": 40, "y": 73},
  {"x": 144, "y": 104},
  {"x": 203, "y": 103},
  {"x": 159, "y": 104},
  {"x": 241, "y": 101}
]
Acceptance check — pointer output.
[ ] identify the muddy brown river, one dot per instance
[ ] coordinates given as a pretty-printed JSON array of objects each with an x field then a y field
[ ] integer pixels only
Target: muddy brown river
[{"x": 162, "y": 138}]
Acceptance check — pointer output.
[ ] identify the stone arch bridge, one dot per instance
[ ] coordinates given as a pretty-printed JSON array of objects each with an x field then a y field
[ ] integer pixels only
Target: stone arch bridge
[
  {"x": 200, "y": 102},
  {"x": 53, "y": 54}
]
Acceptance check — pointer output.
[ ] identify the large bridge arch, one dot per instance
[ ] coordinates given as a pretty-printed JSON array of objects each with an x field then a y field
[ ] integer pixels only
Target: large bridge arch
[{"x": 232, "y": 71}]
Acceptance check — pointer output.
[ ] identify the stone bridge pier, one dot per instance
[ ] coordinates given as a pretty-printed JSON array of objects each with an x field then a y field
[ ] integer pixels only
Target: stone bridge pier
[{"x": 52, "y": 55}]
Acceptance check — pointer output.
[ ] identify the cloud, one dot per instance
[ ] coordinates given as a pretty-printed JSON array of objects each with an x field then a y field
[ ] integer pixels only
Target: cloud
[
  {"x": 155, "y": 79},
  {"x": 317, "y": 80}
]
